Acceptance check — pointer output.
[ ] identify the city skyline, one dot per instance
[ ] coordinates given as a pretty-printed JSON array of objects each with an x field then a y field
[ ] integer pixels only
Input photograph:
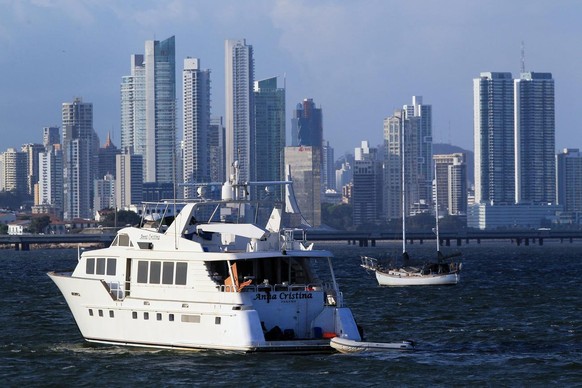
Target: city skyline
[{"x": 357, "y": 75}]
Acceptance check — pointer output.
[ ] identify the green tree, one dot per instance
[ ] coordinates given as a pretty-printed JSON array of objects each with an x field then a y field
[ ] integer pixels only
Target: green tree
[
  {"x": 337, "y": 216},
  {"x": 38, "y": 224},
  {"x": 3, "y": 229},
  {"x": 124, "y": 217}
]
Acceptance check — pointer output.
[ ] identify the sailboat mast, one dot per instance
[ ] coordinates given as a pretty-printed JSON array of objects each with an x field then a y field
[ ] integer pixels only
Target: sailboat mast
[
  {"x": 402, "y": 183},
  {"x": 436, "y": 208}
]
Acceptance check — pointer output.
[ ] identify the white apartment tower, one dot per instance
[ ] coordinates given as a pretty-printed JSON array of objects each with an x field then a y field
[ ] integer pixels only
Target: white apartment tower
[
  {"x": 148, "y": 110},
  {"x": 80, "y": 146},
  {"x": 494, "y": 138},
  {"x": 196, "y": 124},
  {"x": 51, "y": 177},
  {"x": 401, "y": 160},
  {"x": 239, "y": 117}
]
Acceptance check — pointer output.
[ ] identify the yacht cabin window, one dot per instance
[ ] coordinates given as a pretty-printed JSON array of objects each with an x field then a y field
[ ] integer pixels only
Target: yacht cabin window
[
  {"x": 101, "y": 266},
  {"x": 167, "y": 272}
]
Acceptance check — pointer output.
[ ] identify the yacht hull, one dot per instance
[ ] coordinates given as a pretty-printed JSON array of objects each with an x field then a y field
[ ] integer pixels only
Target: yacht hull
[{"x": 398, "y": 278}]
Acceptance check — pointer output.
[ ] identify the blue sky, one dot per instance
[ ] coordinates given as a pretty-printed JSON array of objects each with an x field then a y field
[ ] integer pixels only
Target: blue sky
[{"x": 358, "y": 60}]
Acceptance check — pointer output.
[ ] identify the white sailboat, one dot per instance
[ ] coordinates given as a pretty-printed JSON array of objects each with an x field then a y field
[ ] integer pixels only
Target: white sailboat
[{"x": 432, "y": 273}]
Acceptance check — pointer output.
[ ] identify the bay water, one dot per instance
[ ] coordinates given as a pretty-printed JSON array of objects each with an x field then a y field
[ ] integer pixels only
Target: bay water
[{"x": 515, "y": 319}]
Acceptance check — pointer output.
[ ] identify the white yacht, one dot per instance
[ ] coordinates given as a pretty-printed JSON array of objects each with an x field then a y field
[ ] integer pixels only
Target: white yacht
[{"x": 215, "y": 278}]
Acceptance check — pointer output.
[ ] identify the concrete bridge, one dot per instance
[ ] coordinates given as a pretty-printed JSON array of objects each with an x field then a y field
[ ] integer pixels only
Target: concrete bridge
[
  {"x": 519, "y": 237},
  {"x": 23, "y": 242},
  {"x": 363, "y": 239}
]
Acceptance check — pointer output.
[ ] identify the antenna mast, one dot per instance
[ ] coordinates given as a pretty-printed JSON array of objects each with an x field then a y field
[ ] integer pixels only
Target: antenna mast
[{"x": 522, "y": 57}]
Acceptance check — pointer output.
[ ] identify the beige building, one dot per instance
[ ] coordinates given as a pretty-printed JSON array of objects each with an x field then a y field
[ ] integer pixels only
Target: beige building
[{"x": 305, "y": 163}]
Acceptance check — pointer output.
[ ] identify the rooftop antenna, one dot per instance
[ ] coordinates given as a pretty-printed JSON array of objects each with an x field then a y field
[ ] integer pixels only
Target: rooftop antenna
[{"x": 522, "y": 57}]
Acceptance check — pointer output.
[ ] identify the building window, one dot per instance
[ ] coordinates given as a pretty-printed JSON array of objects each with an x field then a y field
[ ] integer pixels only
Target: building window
[
  {"x": 91, "y": 312},
  {"x": 159, "y": 316},
  {"x": 134, "y": 314},
  {"x": 146, "y": 316},
  {"x": 111, "y": 314},
  {"x": 100, "y": 313}
]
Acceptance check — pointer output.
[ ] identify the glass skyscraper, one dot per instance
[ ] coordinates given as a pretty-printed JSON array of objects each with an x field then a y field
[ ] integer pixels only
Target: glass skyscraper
[
  {"x": 269, "y": 130},
  {"x": 535, "y": 128},
  {"x": 494, "y": 138},
  {"x": 148, "y": 110}
]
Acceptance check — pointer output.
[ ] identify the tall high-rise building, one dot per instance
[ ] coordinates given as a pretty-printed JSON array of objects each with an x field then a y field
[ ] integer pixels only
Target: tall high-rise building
[
  {"x": 367, "y": 191},
  {"x": 269, "y": 112},
  {"x": 196, "y": 122},
  {"x": 535, "y": 168},
  {"x": 104, "y": 193},
  {"x": 239, "y": 113},
  {"x": 80, "y": 145},
  {"x": 32, "y": 152},
  {"x": 216, "y": 136},
  {"x": 51, "y": 177},
  {"x": 422, "y": 115},
  {"x": 451, "y": 182},
  {"x": 50, "y": 136},
  {"x": 107, "y": 155},
  {"x": 308, "y": 121},
  {"x": 128, "y": 180},
  {"x": 569, "y": 179},
  {"x": 133, "y": 107},
  {"x": 305, "y": 164},
  {"x": 14, "y": 171},
  {"x": 401, "y": 153},
  {"x": 494, "y": 138},
  {"x": 328, "y": 168},
  {"x": 148, "y": 110}
]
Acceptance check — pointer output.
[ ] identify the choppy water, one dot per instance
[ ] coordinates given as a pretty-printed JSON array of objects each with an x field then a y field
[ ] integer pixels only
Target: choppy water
[{"x": 514, "y": 320}]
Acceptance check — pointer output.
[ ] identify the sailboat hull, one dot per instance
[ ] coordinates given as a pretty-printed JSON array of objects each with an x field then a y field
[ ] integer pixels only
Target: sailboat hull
[{"x": 403, "y": 278}]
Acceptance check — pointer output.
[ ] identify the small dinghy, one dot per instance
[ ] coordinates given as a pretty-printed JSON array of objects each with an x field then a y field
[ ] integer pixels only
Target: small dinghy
[{"x": 344, "y": 345}]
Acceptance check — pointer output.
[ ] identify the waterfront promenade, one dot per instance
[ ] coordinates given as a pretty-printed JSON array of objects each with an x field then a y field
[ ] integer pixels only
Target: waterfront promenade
[{"x": 364, "y": 239}]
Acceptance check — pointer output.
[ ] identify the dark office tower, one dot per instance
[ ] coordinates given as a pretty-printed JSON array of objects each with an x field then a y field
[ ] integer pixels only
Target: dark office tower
[
  {"x": 50, "y": 136},
  {"x": 269, "y": 131},
  {"x": 328, "y": 168},
  {"x": 308, "y": 121},
  {"x": 80, "y": 146},
  {"x": 569, "y": 180},
  {"x": 216, "y": 135},
  {"x": 196, "y": 110},
  {"x": 32, "y": 152},
  {"x": 107, "y": 155},
  {"x": 148, "y": 110},
  {"x": 367, "y": 195},
  {"x": 535, "y": 130},
  {"x": 494, "y": 138}
]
